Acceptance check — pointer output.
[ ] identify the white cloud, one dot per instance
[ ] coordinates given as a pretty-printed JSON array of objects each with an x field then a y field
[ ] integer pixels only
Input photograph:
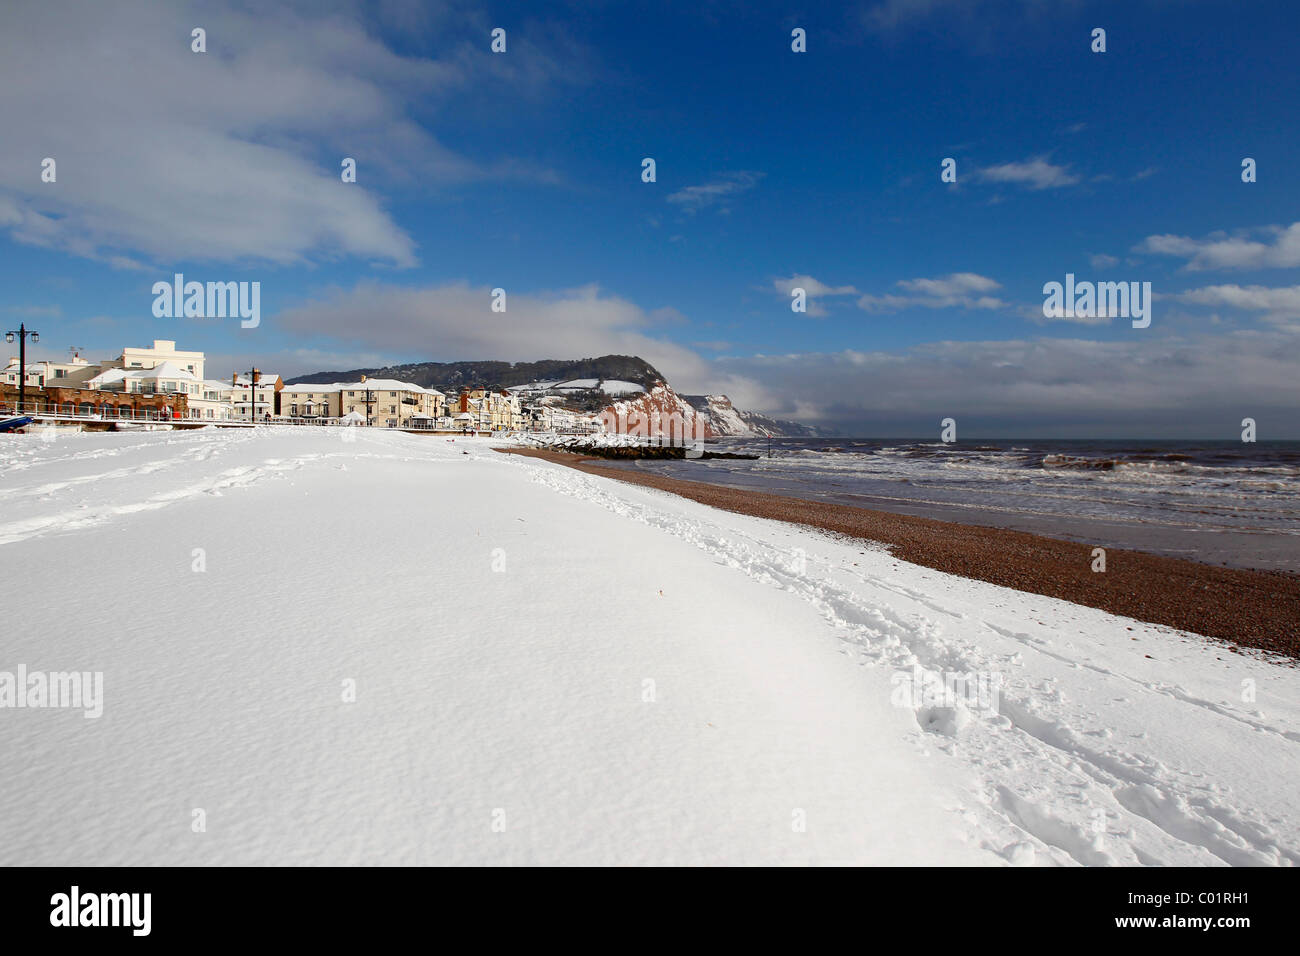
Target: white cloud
[
  {"x": 454, "y": 321},
  {"x": 980, "y": 25},
  {"x": 35, "y": 311},
  {"x": 1035, "y": 173},
  {"x": 1102, "y": 261},
  {"x": 1034, "y": 313},
  {"x": 888, "y": 15},
  {"x": 959, "y": 290},
  {"x": 1255, "y": 297},
  {"x": 1281, "y": 304},
  {"x": 956, "y": 284},
  {"x": 811, "y": 286},
  {"x": 234, "y": 154},
  {"x": 814, "y": 289},
  {"x": 1176, "y": 385},
  {"x": 692, "y": 198},
  {"x": 1218, "y": 250}
]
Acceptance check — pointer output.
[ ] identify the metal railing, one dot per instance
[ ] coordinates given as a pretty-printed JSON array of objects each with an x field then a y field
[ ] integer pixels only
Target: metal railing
[
  {"x": 107, "y": 412},
  {"x": 303, "y": 420},
  {"x": 84, "y": 412}
]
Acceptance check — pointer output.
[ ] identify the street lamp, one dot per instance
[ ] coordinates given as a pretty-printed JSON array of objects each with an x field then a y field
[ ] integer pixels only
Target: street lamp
[
  {"x": 254, "y": 376},
  {"x": 22, "y": 334},
  {"x": 369, "y": 400}
]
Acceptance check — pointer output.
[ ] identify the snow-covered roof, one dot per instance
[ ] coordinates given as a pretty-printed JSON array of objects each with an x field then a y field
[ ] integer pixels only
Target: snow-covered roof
[
  {"x": 163, "y": 370},
  {"x": 307, "y": 387},
  {"x": 109, "y": 376},
  {"x": 266, "y": 380},
  {"x": 385, "y": 385}
]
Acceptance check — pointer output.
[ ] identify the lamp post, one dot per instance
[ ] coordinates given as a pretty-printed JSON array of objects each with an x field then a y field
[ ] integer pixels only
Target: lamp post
[
  {"x": 22, "y": 333},
  {"x": 254, "y": 376},
  {"x": 368, "y": 400}
]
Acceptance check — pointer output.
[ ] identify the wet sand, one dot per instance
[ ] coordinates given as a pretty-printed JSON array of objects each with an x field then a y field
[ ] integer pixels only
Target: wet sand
[{"x": 1259, "y": 609}]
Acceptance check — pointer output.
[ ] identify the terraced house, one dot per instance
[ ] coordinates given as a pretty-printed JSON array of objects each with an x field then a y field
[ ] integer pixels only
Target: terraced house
[
  {"x": 260, "y": 403},
  {"x": 311, "y": 401},
  {"x": 481, "y": 409},
  {"x": 388, "y": 403}
]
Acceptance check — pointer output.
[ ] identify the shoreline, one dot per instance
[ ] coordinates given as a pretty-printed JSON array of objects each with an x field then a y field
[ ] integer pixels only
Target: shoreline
[{"x": 1256, "y": 609}]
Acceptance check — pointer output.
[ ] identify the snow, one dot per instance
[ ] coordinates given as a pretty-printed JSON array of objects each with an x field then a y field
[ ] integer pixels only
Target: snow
[
  {"x": 594, "y": 440},
  {"x": 316, "y": 388},
  {"x": 162, "y": 370},
  {"x": 725, "y": 421},
  {"x": 384, "y": 385},
  {"x": 793, "y": 715},
  {"x": 532, "y": 387},
  {"x": 612, "y": 386}
]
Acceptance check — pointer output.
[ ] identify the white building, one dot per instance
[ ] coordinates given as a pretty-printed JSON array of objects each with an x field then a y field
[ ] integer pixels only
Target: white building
[
  {"x": 311, "y": 401},
  {"x": 389, "y": 403},
  {"x": 215, "y": 401},
  {"x": 164, "y": 350},
  {"x": 70, "y": 374},
  {"x": 258, "y": 403}
]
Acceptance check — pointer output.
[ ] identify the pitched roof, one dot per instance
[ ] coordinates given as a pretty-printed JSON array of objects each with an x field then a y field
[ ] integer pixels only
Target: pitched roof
[
  {"x": 386, "y": 385},
  {"x": 308, "y": 388},
  {"x": 109, "y": 376},
  {"x": 266, "y": 381},
  {"x": 163, "y": 370}
]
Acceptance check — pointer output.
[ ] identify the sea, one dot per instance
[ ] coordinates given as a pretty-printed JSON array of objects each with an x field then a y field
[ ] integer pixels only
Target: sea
[{"x": 1220, "y": 502}]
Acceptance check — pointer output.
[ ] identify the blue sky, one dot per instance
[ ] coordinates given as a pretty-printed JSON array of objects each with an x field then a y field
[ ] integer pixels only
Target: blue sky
[{"x": 522, "y": 171}]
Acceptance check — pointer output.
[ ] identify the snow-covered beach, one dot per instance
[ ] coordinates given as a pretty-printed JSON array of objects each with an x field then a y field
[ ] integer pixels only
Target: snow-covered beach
[{"x": 359, "y": 646}]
